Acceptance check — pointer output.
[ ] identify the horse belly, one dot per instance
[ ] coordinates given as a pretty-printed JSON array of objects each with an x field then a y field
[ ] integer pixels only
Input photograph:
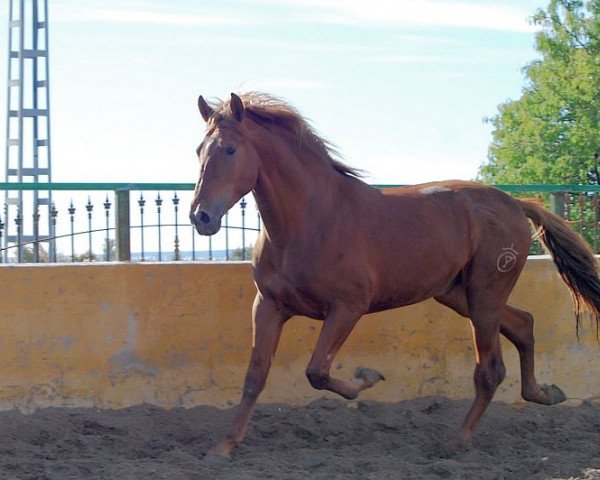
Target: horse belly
[
  {"x": 408, "y": 279},
  {"x": 404, "y": 295}
]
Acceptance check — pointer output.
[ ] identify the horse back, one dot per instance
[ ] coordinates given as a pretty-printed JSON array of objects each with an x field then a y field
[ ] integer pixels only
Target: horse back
[{"x": 387, "y": 248}]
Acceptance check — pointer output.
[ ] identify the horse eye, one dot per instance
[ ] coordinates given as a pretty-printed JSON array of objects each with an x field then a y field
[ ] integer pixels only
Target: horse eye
[{"x": 230, "y": 150}]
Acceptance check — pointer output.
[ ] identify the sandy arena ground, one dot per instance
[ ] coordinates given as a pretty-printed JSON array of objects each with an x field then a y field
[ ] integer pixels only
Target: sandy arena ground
[{"x": 329, "y": 439}]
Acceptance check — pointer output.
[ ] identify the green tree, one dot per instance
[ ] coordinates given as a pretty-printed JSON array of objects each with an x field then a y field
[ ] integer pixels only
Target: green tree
[
  {"x": 88, "y": 256},
  {"x": 239, "y": 254},
  {"x": 29, "y": 254},
  {"x": 109, "y": 250},
  {"x": 551, "y": 134}
]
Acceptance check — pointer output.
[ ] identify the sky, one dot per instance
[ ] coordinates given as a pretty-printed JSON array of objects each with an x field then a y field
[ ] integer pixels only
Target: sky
[{"x": 401, "y": 87}]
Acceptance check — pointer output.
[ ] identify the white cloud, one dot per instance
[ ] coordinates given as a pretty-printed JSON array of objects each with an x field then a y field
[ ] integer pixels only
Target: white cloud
[
  {"x": 285, "y": 45},
  {"x": 417, "y": 13},
  {"x": 403, "y": 13},
  {"x": 400, "y": 58},
  {"x": 454, "y": 58},
  {"x": 286, "y": 84},
  {"x": 427, "y": 40},
  {"x": 119, "y": 15}
]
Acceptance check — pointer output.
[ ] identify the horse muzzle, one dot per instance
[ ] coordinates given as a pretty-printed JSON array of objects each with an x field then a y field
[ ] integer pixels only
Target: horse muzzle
[{"x": 205, "y": 223}]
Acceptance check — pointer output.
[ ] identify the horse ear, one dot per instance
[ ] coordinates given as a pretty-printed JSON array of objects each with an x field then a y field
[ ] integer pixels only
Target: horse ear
[
  {"x": 205, "y": 110},
  {"x": 237, "y": 107}
]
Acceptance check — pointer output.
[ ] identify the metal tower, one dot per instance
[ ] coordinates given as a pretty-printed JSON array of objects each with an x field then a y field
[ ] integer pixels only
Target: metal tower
[{"x": 28, "y": 128}]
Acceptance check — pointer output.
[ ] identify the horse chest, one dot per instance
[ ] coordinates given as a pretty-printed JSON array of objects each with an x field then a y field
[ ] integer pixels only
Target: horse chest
[{"x": 298, "y": 291}]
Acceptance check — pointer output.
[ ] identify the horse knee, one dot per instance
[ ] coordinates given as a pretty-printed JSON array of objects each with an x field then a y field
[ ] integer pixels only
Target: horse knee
[
  {"x": 317, "y": 378},
  {"x": 252, "y": 388}
]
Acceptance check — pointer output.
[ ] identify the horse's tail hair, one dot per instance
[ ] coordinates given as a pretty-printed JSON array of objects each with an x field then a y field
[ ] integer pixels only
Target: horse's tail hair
[{"x": 572, "y": 256}]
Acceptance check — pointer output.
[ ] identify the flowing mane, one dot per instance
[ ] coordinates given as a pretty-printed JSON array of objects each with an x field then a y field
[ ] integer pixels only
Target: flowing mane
[{"x": 268, "y": 110}]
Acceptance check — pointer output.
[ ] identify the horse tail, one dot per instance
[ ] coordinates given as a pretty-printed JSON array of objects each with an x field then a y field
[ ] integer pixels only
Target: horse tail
[{"x": 572, "y": 256}]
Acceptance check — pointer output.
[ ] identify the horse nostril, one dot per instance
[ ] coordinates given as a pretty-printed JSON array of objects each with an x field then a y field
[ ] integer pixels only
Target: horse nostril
[{"x": 204, "y": 218}]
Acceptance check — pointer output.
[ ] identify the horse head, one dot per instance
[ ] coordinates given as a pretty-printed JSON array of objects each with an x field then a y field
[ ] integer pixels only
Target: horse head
[{"x": 228, "y": 164}]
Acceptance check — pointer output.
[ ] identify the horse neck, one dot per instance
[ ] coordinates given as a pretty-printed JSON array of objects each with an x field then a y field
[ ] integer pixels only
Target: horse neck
[{"x": 294, "y": 189}]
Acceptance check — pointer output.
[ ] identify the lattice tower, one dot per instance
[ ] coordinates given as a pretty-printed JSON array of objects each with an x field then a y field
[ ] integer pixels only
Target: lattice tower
[{"x": 28, "y": 158}]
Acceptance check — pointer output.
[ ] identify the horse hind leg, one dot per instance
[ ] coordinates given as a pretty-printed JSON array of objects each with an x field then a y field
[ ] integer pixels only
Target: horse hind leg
[
  {"x": 517, "y": 326},
  {"x": 482, "y": 309},
  {"x": 489, "y": 369}
]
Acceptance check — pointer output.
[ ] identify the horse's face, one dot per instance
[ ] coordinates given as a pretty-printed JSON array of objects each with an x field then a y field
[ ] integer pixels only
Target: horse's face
[{"x": 228, "y": 166}]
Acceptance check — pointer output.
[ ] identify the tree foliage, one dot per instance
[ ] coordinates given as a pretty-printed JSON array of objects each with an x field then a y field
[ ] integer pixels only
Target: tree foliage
[
  {"x": 552, "y": 133},
  {"x": 242, "y": 253},
  {"x": 29, "y": 254}
]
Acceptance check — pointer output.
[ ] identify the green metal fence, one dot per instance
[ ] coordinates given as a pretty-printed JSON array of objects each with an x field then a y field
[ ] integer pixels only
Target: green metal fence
[
  {"x": 578, "y": 204},
  {"x": 143, "y": 222},
  {"x": 118, "y": 221}
]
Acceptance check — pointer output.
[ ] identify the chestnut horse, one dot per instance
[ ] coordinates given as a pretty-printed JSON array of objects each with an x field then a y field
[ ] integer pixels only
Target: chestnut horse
[{"x": 333, "y": 248}]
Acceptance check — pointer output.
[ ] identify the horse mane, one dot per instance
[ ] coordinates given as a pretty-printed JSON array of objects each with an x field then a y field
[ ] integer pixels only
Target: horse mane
[{"x": 268, "y": 110}]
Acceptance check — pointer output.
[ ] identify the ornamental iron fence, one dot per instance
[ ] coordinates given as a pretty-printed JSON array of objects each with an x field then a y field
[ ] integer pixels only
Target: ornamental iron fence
[
  {"x": 126, "y": 222},
  {"x": 144, "y": 222}
]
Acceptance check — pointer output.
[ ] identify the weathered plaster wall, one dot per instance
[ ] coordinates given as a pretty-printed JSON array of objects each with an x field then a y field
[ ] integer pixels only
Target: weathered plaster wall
[{"x": 114, "y": 335}]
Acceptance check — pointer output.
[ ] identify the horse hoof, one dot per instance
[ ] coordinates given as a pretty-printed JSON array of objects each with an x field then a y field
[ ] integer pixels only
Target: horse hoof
[
  {"x": 554, "y": 394},
  {"x": 218, "y": 455},
  {"x": 459, "y": 444},
  {"x": 215, "y": 460},
  {"x": 370, "y": 376}
]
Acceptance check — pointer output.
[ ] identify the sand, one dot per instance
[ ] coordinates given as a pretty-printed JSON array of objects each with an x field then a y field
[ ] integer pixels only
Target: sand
[{"x": 328, "y": 439}]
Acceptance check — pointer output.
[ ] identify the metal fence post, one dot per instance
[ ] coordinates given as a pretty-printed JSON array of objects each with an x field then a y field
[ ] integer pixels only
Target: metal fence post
[
  {"x": 123, "y": 223},
  {"x": 557, "y": 203}
]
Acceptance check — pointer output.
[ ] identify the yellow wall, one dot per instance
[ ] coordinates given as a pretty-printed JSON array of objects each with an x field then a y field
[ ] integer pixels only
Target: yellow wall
[{"x": 114, "y": 335}]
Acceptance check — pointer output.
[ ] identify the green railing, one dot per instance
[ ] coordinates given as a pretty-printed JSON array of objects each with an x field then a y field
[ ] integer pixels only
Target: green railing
[
  {"x": 578, "y": 204},
  {"x": 153, "y": 217},
  {"x": 141, "y": 221}
]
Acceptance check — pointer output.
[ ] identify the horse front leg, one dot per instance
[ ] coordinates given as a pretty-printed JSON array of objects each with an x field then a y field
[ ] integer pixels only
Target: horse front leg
[
  {"x": 268, "y": 321},
  {"x": 336, "y": 328}
]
